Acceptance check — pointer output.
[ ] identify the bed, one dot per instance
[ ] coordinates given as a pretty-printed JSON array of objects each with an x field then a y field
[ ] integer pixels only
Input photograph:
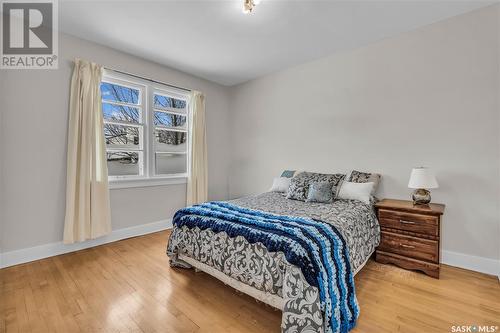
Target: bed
[{"x": 201, "y": 238}]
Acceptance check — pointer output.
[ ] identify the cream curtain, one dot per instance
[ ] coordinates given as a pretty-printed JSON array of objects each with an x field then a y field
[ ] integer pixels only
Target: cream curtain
[
  {"x": 87, "y": 196},
  {"x": 197, "y": 187}
]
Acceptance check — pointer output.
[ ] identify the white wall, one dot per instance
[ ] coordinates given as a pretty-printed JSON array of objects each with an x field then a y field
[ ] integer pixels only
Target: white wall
[
  {"x": 34, "y": 116},
  {"x": 2, "y": 187},
  {"x": 427, "y": 97}
]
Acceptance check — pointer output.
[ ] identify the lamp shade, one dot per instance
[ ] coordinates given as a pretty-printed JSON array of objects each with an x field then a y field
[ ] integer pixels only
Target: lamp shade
[{"x": 422, "y": 178}]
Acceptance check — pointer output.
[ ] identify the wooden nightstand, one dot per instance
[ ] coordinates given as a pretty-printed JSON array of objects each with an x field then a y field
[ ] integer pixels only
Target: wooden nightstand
[{"x": 410, "y": 235}]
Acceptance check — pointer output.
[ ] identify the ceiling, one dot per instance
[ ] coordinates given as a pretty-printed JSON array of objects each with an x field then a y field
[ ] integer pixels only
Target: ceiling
[{"x": 216, "y": 41}]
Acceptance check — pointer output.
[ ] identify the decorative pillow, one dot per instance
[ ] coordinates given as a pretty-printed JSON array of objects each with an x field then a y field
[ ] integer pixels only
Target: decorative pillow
[
  {"x": 288, "y": 173},
  {"x": 299, "y": 186},
  {"x": 365, "y": 177},
  {"x": 356, "y": 191},
  {"x": 320, "y": 192},
  {"x": 280, "y": 184}
]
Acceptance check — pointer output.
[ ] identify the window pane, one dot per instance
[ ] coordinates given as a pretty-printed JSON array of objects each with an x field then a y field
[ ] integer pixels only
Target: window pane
[
  {"x": 170, "y": 120},
  {"x": 123, "y": 163},
  {"x": 121, "y": 135},
  {"x": 117, "y": 93},
  {"x": 120, "y": 112},
  {"x": 170, "y": 163},
  {"x": 168, "y": 102},
  {"x": 170, "y": 141}
]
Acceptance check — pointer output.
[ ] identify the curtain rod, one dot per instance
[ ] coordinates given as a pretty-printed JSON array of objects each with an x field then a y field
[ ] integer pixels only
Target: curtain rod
[{"x": 145, "y": 78}]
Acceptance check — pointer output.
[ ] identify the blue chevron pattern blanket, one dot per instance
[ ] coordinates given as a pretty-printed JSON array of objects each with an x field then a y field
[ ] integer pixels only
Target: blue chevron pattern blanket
[{"x": 316, "y": 247}]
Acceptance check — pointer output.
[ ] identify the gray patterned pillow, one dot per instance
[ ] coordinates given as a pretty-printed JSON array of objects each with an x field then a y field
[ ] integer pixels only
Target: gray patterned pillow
[
  {"x": 299, "y": 186},
  {"x": 365, "y": 177},
  {"x": 288, "y": 173},
  {"x": 321, "y": 192}
]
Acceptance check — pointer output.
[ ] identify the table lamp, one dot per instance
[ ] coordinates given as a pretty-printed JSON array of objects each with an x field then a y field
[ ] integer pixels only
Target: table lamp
[{"x": 422, "y": 179}]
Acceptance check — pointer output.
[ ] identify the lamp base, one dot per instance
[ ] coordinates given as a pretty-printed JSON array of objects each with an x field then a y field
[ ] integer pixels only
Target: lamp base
[{"x": 421, "y": 196}]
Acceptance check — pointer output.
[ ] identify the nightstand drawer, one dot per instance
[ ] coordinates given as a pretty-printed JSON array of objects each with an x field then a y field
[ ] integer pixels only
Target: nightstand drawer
[
  {"x": 410, "y": 246},
  {"x": 422, "y": 224}
]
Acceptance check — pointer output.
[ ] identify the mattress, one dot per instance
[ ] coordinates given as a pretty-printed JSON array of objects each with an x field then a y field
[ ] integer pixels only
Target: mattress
[{"x": 266, "y": 275}]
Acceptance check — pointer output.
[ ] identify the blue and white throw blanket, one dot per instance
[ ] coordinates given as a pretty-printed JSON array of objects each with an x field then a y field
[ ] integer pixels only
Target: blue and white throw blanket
[{"x": 316, "y": 247}]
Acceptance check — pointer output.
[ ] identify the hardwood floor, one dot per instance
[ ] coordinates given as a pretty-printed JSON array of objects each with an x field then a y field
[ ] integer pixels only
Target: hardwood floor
[{"x": 127, "y": 286}]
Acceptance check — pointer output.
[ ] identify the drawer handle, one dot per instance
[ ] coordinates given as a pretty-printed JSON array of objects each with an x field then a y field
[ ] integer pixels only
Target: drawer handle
[
  {"x": 407, "y": 246},
  {"x": 406, "y": 222}
]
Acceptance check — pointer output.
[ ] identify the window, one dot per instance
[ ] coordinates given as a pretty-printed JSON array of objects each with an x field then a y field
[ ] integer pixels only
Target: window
[
  {"x": 145, "y": 129},
  {"x": 170, "y": 121}
]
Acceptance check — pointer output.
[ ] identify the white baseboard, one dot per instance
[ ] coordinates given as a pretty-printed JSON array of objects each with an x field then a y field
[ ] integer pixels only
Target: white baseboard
[
  {"x": 53, "y": 249},
  {"x": 473, "y": 263},
  {"x": 479, "y": 264}
]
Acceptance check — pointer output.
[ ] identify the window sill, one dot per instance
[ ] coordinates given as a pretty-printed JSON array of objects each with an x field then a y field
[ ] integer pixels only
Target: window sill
[{"x": 130, "y": 183}]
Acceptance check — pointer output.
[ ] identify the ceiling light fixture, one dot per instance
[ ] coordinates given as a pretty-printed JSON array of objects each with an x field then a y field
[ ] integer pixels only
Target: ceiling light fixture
[{"x": 249, "y": 5}]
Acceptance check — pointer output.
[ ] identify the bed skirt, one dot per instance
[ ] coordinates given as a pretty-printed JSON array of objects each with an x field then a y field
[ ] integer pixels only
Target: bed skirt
[{"x": 265, "y": 297}]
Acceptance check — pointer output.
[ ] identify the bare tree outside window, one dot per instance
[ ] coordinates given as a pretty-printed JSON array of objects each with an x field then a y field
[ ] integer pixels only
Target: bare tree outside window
[
  {"x": 169, "y": 120},
  {"x": 127, "y": 120}
]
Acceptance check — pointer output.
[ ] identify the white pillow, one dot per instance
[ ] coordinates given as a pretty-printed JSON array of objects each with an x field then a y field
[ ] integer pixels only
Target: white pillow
[
  {"x": 280, "y": 184},
  {"x": 356, "y": 191}
]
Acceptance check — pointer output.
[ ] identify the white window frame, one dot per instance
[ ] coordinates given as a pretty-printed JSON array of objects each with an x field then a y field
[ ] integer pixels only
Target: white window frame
[
  {"x": 173, "y": 93},
  {"x": 147, "y": 90}
]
